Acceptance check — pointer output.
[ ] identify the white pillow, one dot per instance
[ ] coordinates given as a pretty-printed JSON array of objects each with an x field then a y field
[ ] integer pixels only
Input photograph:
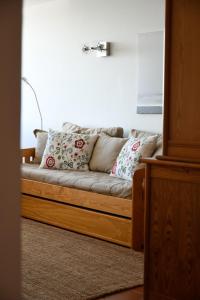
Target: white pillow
[
  {"x": 68, "y": 151},
  {"x": 129, "y": 156},
  {"x": 42, "y": 137}
]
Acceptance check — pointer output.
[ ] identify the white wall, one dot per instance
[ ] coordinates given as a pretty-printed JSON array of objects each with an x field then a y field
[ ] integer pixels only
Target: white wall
[{"x": 83, "y": 89}]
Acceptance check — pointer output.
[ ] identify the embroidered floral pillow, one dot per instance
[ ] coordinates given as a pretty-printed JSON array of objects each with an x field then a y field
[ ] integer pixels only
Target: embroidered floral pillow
[
  {"x": 68, "y": 151},
  {"x": 129, "y": 156}
]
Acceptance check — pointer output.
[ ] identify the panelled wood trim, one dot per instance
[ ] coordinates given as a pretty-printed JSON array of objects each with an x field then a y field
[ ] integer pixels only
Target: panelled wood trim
[
  {"x": 138, "y": 210},
  {"x": 110, "y": 204},
  {"x": 167, "y": 69},
  {"x": 102, "y": 226},
  {"x": 187, "y": 144},
  {"x": 183, "y": 174},
  {"x": 172, "y": 232},
  {"x": 163, "y": 162},
  {"x": 191, "y": 151},
  {"x": 182, "y": 149},
  {"x": 147, "y": 230},
  {"x": 148, "y": 292},
  {"x": 182, "y": 159}
]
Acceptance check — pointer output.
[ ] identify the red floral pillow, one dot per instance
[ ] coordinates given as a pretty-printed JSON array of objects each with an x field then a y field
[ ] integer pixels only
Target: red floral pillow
[
  {"x": 130, "y": 155},
  {"x": 68, "y": 151}
]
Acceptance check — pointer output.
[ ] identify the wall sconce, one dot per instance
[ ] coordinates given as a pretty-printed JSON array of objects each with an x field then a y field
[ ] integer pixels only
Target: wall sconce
[{"x": 101, "y": 49}]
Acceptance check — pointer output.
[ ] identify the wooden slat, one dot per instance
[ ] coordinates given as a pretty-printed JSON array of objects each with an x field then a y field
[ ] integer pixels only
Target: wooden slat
[
  {"x": 110, "y": 204},
  {"x": 26, "y": 154},
  {"x": 107, "y": 227}
]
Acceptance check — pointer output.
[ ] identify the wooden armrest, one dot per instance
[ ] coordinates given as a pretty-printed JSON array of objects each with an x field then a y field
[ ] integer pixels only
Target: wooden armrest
[
  {"x": 27, "y": 153},
  {"x": 139, "y": 176},
  {"x": 138, "y": 209}
]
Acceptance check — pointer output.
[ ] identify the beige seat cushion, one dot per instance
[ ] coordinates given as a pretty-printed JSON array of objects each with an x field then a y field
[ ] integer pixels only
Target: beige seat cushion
[
  {"x": 105, "y": 153},
  {"x": 73, "y": 128},
  {"x": 84, "y": 180}
]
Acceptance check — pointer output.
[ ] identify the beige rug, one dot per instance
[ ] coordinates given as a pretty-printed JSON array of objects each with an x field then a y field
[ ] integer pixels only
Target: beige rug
[{"x": 60, "y": 265}]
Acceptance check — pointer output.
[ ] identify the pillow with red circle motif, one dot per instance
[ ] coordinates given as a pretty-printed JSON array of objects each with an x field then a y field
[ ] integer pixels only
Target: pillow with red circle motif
[
  {"x": 68, "y": 151},
  {"x": 129, "y": 157}
]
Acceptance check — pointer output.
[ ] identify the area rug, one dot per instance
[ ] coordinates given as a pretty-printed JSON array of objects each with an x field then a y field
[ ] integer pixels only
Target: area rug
[{"x": 60, "y": 265}]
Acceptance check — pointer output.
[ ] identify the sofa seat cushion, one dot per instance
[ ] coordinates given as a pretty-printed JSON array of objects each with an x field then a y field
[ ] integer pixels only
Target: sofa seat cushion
[{"x": 89, "y": 181}]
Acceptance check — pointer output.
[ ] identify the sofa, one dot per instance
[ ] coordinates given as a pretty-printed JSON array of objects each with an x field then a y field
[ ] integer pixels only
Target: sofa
[{"x": 88, "y": 201}]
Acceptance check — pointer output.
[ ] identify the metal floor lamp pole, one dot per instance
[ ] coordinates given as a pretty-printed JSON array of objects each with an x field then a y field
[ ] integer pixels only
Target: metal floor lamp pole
[{"x": 36, "y": 99}]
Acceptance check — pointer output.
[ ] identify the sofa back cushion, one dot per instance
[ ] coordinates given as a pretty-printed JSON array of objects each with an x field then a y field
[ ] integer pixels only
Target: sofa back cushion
[
  {"x": 68, "y": 127},
  {"x": 112, "y": 131},
  {"x": 105, "y": 153},
  {"x": 68, "y": 151},
  {"x": 140, "y": 134}
]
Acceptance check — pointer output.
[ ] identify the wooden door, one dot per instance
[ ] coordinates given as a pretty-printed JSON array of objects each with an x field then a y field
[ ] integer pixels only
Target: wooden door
[{"x": 172, "y": 222}]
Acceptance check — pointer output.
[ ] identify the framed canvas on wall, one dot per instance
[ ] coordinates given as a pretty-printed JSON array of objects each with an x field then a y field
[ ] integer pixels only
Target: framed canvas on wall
[{"x": 150, "y": 72}]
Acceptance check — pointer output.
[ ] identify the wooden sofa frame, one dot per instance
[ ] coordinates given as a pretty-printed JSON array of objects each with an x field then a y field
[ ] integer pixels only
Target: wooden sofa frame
[{"x": 107, "y": 217}]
